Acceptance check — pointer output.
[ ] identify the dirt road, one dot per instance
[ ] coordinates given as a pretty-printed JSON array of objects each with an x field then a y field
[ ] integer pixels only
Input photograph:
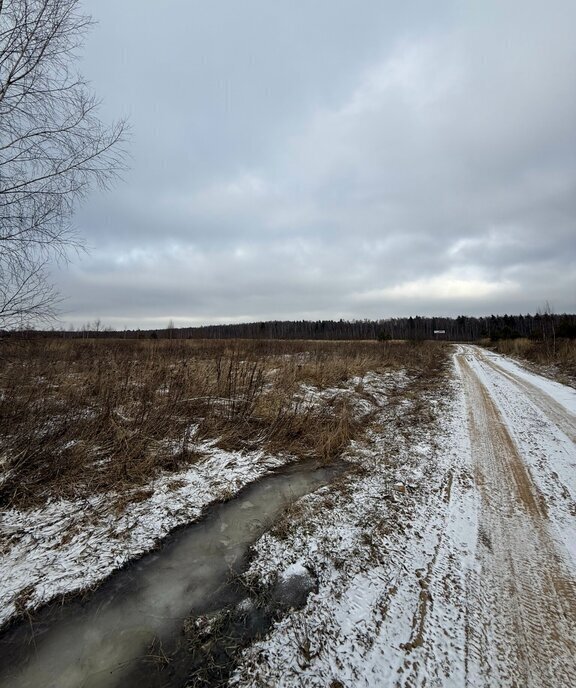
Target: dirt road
[
  {"x": 521, "y": 627},
  {"x": 498, "y": 600},
  {"x": 479, "y": 586}
]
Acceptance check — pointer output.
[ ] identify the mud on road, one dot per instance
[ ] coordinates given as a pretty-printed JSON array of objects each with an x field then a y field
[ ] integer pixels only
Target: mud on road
[{"x": 522, "y": 607}]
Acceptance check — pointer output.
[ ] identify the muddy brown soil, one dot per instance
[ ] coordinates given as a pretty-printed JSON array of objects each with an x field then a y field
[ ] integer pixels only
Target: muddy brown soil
[{"x": 521, "y": 625}]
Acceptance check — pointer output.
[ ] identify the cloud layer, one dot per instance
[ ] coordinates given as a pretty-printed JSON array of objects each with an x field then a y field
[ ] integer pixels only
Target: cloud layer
[{"x": 303, "y": 160}]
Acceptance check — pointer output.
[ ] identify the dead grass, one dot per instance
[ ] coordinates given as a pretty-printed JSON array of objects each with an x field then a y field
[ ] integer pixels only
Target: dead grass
[{"x": 85, "y": 416}]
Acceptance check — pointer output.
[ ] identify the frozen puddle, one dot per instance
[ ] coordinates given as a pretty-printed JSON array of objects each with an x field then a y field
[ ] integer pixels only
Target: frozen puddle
[{"x": 132, "y": 625}]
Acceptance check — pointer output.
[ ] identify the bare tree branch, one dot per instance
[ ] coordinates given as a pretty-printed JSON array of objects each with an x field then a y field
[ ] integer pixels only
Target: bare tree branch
[{"x": 53, "y": 148}]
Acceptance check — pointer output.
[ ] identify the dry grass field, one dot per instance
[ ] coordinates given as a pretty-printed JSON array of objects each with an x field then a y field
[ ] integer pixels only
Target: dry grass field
[{"x": 79, "y": 417}]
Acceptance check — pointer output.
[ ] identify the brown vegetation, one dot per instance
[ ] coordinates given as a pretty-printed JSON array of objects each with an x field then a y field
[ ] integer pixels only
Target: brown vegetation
[{"x": 85, "y": 416}]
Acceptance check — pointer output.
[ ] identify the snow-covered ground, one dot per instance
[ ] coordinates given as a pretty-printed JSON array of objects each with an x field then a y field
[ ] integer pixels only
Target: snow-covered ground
[
  {"x": 70, "y": 545},
  {"x": 540, "y": 416},
  {"x": 378, "y": 545},
  {"x": 461, "y": 573},
  {"x": 561, "y": 394},
  {"x": 447, "y": 558}
]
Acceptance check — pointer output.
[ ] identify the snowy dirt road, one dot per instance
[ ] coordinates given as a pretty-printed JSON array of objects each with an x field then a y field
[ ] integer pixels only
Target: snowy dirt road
[
  {"x": 478, "y": 586},
  {"x": 521, "y": 627}
]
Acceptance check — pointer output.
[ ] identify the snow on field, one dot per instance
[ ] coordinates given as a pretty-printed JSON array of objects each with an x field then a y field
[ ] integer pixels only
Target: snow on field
[
  {"x": 444, "y": 557},
  {"x": 70, "y": 545},
  {"x": 384, "y": 545}
]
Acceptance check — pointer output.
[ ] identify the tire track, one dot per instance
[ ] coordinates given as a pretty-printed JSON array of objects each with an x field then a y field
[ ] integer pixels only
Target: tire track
[
  {"x": 522, "y": 611},
  {"x": 554, "y": 411}
]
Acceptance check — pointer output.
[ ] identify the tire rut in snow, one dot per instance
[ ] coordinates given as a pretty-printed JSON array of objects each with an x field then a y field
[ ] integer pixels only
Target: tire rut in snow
[
  {"x": 522, "y": 612},
  {"x": 554, "y": 411}
]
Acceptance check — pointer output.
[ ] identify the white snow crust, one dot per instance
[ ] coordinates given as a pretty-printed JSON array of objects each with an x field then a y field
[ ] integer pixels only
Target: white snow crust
[
  {"x": 393, "y": 544},
  {"x": 373, "y": 553},
  {"x": 562, "y": 394},
  {"x": 70, "y": 545}
]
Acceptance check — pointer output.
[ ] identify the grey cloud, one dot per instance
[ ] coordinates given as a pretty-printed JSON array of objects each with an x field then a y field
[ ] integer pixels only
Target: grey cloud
[{"x": 293, "y": 159}]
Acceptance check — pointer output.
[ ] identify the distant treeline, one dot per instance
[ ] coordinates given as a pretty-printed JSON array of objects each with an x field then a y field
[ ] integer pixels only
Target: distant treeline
[{"x": 462, "y": 328}]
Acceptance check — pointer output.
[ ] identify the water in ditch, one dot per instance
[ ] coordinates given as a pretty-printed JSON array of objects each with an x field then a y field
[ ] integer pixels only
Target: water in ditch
[{"x": 130, "y": 631}]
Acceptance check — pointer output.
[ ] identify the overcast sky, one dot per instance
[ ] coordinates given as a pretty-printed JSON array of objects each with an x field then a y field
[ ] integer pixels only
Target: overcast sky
[{"x": 331, "y": 158}]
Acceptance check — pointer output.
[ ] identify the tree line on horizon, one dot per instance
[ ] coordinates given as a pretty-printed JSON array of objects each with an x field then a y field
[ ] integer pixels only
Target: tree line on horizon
[
  {"x": 418, "y": 327},
  {"x": 462, "y": 328}
]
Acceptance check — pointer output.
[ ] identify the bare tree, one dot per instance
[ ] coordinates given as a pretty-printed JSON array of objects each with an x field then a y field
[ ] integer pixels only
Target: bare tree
[
  {"x": 547, "y": 319},
  {"x": 53, "y": 148}
]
